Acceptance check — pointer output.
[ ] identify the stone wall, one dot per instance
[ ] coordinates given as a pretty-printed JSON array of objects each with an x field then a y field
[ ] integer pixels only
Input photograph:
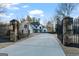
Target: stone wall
[{"x": 4, "y": 28}]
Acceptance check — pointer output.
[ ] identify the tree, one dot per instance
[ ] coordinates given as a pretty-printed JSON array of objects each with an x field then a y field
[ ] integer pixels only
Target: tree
[
  {"x": 65, "y": 9},
  {"x": 29, "y": 19},
  {"x": 34, "y": 19},
  {"x": 50, "y": 26},
  {"x": 38, "y": 20}
]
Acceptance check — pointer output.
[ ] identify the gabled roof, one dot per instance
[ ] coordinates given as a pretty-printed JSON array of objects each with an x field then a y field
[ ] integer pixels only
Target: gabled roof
[
  {"x": 13, "y": 20},
  {"x": 35, "y": 25}
]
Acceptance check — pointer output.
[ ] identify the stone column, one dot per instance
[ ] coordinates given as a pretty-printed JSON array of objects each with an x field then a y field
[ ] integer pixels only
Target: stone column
[
  {"x": 13, "y": 31},
  {"x": 67, "y": 30}
]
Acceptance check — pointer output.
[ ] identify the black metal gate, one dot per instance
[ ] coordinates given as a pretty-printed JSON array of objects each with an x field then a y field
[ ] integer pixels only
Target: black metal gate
[
  {"x": 68, "y": 35},
  {"x": 75, "y": 33},
  {"x": 59, "y": 30}
]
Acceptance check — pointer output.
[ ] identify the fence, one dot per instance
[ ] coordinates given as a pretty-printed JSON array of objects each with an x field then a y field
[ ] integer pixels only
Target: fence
[
  {"x": 68, "y": 31},
  {"x": 14, "y": 30}
]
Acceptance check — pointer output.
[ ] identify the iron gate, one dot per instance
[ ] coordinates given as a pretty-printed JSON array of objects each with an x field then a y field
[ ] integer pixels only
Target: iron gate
[
  {"x": 68, "y": 32},
  {"x": 75, "y": 33}
]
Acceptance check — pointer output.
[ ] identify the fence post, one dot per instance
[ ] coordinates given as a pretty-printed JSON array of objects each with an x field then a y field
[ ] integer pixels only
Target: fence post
[
  {"x": 67, "y": 30},
  {"x": 14, "y": 29}
]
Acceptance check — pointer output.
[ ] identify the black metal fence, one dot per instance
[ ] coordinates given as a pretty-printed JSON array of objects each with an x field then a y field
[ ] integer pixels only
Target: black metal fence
[{"x": 59, "y": 30}]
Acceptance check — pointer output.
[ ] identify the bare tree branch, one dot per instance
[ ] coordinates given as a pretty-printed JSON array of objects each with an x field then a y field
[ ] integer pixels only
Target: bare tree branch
[{"x": 65, "y": 9}]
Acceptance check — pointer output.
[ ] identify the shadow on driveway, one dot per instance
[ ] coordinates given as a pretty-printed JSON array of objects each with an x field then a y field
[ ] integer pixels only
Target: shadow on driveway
[{"x": 4, "y": 39}]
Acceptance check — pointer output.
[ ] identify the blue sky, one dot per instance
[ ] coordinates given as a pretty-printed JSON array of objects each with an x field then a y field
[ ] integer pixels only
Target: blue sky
[{"x": 40, "y": 10}]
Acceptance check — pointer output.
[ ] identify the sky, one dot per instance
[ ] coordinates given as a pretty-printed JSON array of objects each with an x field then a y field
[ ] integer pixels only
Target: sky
[
  {"x": 39, "y": 1},
  {"x": 44, "y": 11},
  {"x": 21, "y": 10}
]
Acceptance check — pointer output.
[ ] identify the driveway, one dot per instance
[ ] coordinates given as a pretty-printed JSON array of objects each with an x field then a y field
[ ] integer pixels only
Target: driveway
[{"x": 40, "y": 45}]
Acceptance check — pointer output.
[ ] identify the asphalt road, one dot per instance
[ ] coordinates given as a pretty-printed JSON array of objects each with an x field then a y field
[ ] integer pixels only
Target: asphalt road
[{"x": 39, "y": 45}]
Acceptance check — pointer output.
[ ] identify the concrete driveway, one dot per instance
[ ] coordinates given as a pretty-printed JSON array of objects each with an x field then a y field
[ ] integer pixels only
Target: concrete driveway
[{"x": 40, "y": 45}]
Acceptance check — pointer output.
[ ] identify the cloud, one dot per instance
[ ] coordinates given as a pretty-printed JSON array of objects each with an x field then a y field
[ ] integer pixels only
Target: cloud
[
  {"x": 25, "y": 6},
  {"x": 42, "y": 15},
  {"x": 15, "y": 8},
  {"x": 36, "y": 12},
  {"x": 11, "y": 6},
  {"x": 4, "y": 16},
  {"x": 11, "y": 14}
]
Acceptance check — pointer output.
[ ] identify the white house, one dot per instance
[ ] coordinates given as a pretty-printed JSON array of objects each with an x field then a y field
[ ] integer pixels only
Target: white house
[
  {"x": 40, "y": 28},
  {"x": 30, "y": 28},
  {"x": 24, "y": 27},
  {"x": 44, "y": 30}
]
